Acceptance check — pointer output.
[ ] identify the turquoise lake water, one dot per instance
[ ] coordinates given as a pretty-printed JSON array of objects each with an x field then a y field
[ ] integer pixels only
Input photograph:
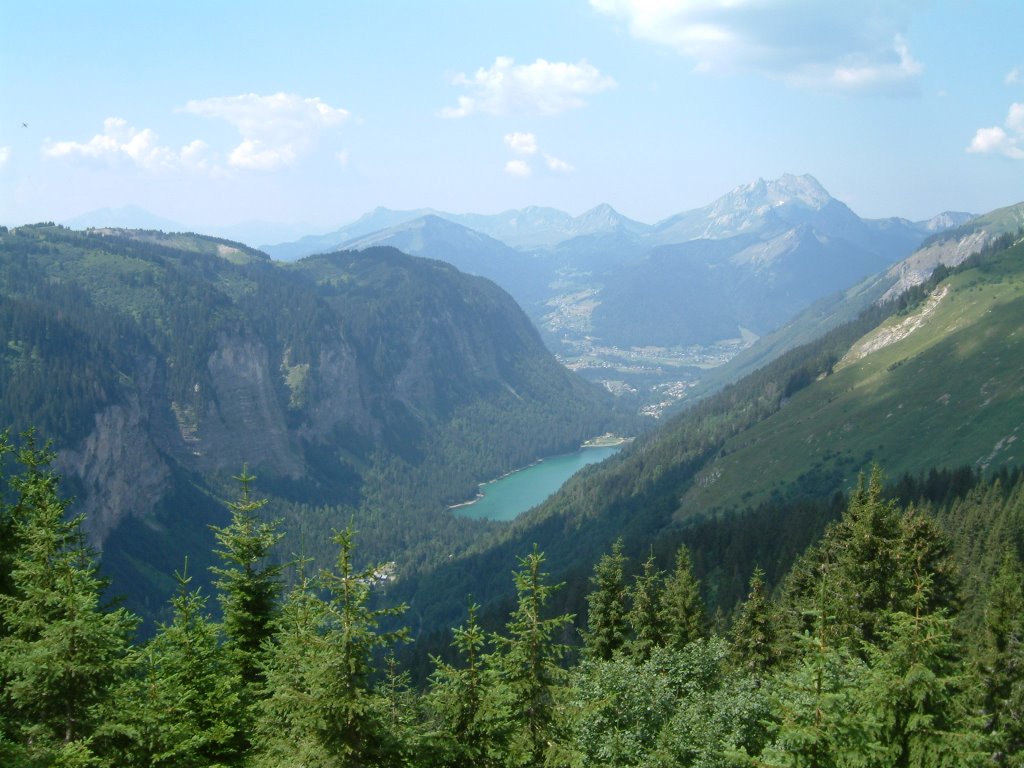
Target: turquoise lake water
[{"x": 509, "y": 496}]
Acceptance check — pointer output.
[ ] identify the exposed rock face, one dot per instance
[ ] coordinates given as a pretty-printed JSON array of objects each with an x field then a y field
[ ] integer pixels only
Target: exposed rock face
[
  {"x": 920, "y": 265},
  {"x": 244, "y": 421},
  {"x": 122, "y": 471}
]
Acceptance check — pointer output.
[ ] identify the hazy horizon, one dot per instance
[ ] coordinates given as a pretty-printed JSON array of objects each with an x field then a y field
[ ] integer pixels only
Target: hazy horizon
[{"x": 300, "y": 120}]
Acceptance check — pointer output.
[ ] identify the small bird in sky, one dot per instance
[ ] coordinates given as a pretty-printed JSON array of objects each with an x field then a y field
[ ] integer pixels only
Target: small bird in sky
[{"x": 24, "y": 125}]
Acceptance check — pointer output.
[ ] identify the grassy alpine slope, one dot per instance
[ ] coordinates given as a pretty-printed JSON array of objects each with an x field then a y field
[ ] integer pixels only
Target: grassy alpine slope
[{"x": 937, "y": 385}]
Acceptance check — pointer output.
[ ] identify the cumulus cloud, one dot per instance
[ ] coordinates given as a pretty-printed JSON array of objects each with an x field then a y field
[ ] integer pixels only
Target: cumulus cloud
[
  {"x": 120, "y": 141},
  {"x": 521, "y": 143},
  {"x": 517, "y": 168},
  {"x": 857, "y": 45},
  {"x": 545, "y": 87},
  {"x": 1008, "y": 140},
  {"x": 275, "y": 129},
  {"x": 556, "y": 165},
  {"x": 1012, "y": 77}
]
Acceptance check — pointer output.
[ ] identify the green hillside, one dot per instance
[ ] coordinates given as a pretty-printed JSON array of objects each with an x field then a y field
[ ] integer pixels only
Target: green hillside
[
  {"x": 752, "y": 474},
  {"x": 371, "y": 387},
  {"x": 937, "y": 385}
]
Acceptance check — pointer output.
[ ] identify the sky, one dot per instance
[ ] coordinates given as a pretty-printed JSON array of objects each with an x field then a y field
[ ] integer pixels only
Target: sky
[{"x": 296, "y": 118}]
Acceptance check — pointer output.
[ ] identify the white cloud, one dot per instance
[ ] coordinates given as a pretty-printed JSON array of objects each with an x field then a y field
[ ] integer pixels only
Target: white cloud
[
  {"x": 996, "y": 140},
  {"x": 857, "y": 45},
  {"x": 559, "y": 166},
  {"x": 120, "y": 141},
  {"x": 5, "y": 155},
  {"x": 545, "y": 87},
  {"x": 517, "y": 168},
  {"x": 1012, "y": 77},
  {"x": 1015, "y": 119},
  {"x": 275, "y": 129},
  {"x": 521, "y": 143}
]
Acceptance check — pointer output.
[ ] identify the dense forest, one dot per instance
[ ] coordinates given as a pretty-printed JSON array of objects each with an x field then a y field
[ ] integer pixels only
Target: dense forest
[
  {"x": 373, "y": 386},
  {"x": 895, "y": 640}
]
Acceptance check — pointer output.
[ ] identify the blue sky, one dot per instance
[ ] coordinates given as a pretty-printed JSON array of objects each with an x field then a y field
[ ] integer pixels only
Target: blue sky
[{"x": 311, "y": 113}]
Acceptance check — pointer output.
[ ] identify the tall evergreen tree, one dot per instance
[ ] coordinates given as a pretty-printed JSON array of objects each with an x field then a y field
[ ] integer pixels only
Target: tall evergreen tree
[
  {"x": 320, "y": 709},
  {"x": 528, "y": 659},
  {"x": 63, "y": 652},
  {"x": 1001, "y": 661},
  {"x": 469, "y": 731},
  {"x": 682, "y": 610},
  {"x": 180, "y": 708},
  {"x": 754, "y": 646},
  {"x": 646, "y": 621},
  {"x": 918, "y": 692},
  {"x": 249, "y": 584},
  {"x": 606, "y": 617}
]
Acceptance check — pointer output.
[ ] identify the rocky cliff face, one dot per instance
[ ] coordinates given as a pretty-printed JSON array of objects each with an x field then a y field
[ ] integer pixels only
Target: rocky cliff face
[{"x": 185, "y": 359}]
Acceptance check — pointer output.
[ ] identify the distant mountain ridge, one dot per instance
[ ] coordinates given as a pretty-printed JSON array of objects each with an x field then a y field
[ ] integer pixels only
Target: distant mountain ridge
[{"x": 602, "y": 286}]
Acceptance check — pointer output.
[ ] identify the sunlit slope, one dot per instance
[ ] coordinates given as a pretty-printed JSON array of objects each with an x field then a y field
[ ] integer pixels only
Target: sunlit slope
[{"x": 941, "y": 384}]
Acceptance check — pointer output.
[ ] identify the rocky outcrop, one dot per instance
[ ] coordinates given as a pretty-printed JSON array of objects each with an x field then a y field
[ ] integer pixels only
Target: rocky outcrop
[
  {"x": 244, "y": 421},
  {"x": 121, "y": 471}
]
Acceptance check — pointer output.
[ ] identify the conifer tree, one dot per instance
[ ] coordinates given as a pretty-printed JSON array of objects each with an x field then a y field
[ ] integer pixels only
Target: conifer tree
[
  {"x": 321, "y": 708},
  {"x": 917, "y": 690},
  {"x": 528, "y": 659},
  {"x": 606, "y": 617},
  {"x": 681, "y": 608},
  {"x": 646, "y": 622},
  {"x": 814, "y": 700},
  {"x": 457, "y": 698},
  {"x": 249, "y": 584},
  {"x": 1001, "y": 662},
  {"x": 754, "y": 634},
  {"x": 291, "y": 721},
  {"x": 63, "y": 652},
  {"x": 180, "y": 708}
]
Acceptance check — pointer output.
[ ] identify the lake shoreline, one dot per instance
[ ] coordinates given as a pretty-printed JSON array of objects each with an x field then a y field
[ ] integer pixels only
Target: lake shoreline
[{"x": 605, "y": 441}]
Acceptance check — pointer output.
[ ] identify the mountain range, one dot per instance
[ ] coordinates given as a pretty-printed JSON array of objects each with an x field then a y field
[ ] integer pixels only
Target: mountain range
[{"x": 618, "y": 299}]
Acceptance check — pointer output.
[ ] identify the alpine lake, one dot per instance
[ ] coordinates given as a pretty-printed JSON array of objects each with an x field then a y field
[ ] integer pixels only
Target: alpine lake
[{"x": 515, "y": 493}]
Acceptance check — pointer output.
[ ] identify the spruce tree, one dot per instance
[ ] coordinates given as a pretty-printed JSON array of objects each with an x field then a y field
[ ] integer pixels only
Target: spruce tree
[
  {"x": 646, "y": 621},
  {"x": 321, "y": 708},
  {"x": 180, "y": 708},
  {"x": 249, "y": 584},
  {"x": 1001, "y": 661},
  {"x": 754, "y": 634},
  {"x": 457, "y": 699},
  {"x": 528, "y": 659},
  {"x": 606, "y": 617},
  {"x": 63, "y": 652},
  {"x": 917, "y": 691},
  {"x": 681, "y": 609}
]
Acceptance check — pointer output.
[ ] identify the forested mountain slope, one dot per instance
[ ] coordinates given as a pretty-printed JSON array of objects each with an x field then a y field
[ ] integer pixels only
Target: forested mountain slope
[
  {"x": 929, "y": 382},
  {"x": 160, "y": 365}
]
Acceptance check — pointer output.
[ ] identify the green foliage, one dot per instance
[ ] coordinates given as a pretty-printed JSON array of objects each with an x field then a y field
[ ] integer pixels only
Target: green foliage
[
  {"x": 646, "y": 621},
  {"x": 61, "y": 651},
  {"x": 606, "y": 619},
  {"x": 755, "y": 641},
  {"x": 181, "y": 707},
  {"x": 321, "y": 708},
  {"x": 465, "y": 702},
  {"x": 681, "y": 609},
  {"x": 248, "y": 582},
  {"x": 527, "y": 658}
]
